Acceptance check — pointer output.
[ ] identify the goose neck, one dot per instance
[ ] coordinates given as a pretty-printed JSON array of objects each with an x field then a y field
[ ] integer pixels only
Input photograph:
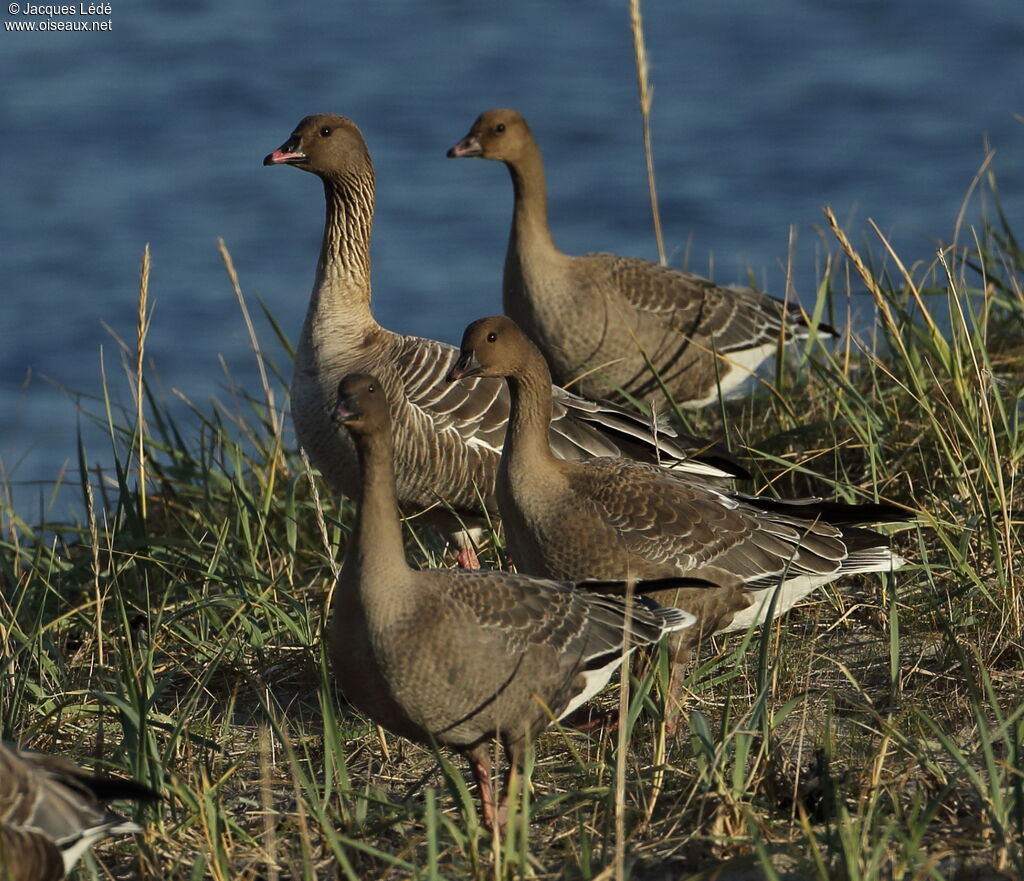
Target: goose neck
[
  {"x": 527, "y": 441},
  {"x": 343, "y": 271},
  {"x": 530, "y": 231},
  {"x": 375, "y": 547}
]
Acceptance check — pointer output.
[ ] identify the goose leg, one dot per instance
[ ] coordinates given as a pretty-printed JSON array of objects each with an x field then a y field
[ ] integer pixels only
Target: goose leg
[
  {"x": 511, "y": 779},
  {"x": 464, "y": 540},
  {"x": 673, "y": 695},
  {"x": 467, "y": 558},
  {"x": 480, "y": 762}
]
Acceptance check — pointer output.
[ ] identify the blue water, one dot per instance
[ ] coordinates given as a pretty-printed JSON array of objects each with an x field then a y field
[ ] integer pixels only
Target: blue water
[{"x": 154, "y": 132}]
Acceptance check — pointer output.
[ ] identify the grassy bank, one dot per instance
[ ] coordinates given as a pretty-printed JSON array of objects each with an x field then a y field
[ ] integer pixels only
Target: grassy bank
[{"x": 175, "y": 633}]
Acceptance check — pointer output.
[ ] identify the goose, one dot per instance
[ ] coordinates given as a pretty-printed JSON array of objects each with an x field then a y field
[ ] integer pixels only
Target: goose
[
  {"x": 447, "y": 440},
  {"x": 606, "y": 518},
  {"x": 599, "y": 318},
  {"x": 463, "y": 657},
  {"x": 51, "y": 812}
]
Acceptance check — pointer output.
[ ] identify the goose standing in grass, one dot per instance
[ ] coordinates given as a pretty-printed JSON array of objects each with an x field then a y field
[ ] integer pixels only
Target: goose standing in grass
[
  {"x": 595, "y": 317},
  {"x": 460, "y": 657},
  {"x": 447, "y": 440},
  {"x": 611, "y": 518},
  {"x": 51, "y": 812}
]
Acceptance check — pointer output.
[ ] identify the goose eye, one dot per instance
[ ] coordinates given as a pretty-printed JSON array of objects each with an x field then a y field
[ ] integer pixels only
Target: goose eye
[
  {"x": 491, "y": 337},
  {"x": 500, "y": 127},
  {"x": 325, "y": 132},
  {"x": 371, "y": 388}
]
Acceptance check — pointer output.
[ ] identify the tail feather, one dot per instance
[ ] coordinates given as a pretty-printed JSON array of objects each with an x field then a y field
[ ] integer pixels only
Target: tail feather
[
  {"x": 836, "y": 513},
  {"x": 620, "y": 587}
]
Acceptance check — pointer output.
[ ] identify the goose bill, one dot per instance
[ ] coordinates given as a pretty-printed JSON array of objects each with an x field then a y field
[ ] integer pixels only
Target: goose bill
[
  {"x": 465, "y": 366},
  {"x": 284, "y": 156},
  {"x": 347, "y": 408},
  {"x": 468, "y": 146}
]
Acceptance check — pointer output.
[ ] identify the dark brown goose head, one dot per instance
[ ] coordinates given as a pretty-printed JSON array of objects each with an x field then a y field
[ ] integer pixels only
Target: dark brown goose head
[
  {"x": 325, "y": 144},
  {"x": 362, "y": 406},
  {"x": 502, "y": 135},
  {"x": 495, "y": 346}
]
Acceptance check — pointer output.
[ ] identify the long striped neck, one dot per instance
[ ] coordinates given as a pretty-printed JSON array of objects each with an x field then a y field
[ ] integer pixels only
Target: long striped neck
[{"x": 341, "y": 294}]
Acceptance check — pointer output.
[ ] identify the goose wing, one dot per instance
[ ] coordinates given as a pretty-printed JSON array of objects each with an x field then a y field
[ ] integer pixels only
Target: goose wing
[
  {"x": 477, "y": 411},
  {"x": 530, "y": 612},
  {"x": 52, "y": 810},
  {"x": 700, "y": 529},
  {"x": 736, "y": 318}
]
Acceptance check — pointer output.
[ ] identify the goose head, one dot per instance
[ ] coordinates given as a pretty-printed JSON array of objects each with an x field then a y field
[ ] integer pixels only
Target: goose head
[
  {"x": 362, "y": 406},
  {"x": 501, "y": 134},
  {"x": 493, "y": 346},
  {"x": 325, "y": 144}
]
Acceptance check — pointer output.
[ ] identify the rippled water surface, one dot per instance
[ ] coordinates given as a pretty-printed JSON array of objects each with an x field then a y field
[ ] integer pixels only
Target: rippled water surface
[{"x": 154, "y": 132}]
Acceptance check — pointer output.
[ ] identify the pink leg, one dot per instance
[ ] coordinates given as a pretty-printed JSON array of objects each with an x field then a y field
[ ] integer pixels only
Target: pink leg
[
  {"x": 676, "y": 676},
  {"x": 467, "y": 558},
  {"x": 480, "y": 762},
  {"x": 511, "y": 779}
]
